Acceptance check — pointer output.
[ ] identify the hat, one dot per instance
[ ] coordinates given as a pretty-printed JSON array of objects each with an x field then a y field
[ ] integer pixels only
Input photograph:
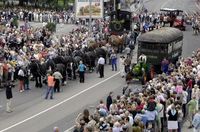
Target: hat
[
  {"x": 101, "y": 119},
  {"x": 196, "y": 86}
]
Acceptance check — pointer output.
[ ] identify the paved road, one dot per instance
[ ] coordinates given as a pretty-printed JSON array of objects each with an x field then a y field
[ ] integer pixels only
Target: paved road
[
  {"x": 60, "y": 28},
  {"x": 34, "y": 114},
  {"x": 188, "y": 6},
  {"x": 191, "y": 42}
]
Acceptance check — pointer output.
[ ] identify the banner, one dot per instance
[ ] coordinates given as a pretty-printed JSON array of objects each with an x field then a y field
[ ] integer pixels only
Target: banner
[{"x": 83, "y": 8}]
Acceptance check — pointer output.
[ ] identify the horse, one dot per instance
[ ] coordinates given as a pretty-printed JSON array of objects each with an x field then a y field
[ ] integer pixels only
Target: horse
[
  {"x": 195, "y": 28},
  {"x": 90, "y": 58},
  {"x": 37, "y": 71},
  {"x": 115, "y": 40}
]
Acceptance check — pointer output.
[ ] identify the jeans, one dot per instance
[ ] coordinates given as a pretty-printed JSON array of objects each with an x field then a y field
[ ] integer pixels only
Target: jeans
[
  {"x": 82, "y": 77},
  {"x": 114, "y": 66},
  {"x": 189, "y": 94},
  {"x": 49, "y": 90}
]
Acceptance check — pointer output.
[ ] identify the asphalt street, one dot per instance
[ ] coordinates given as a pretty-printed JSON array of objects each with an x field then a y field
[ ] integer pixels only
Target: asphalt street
[{"x": 33, "y": 113}]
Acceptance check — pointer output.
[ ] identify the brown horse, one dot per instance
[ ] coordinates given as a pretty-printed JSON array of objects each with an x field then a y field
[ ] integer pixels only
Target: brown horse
[
  {"x": 94, "y": 44},
  {"x": 115, "y": 40}
]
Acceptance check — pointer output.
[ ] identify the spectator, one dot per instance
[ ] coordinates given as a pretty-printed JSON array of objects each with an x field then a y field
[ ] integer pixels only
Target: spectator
[
  {"x": 127, "y": 63},
  {"x": 113, "y": 107},
  {"x": 109, "y": 100},
  {"x": 26, "y": 79},
  {"x": 196, "y": 93},
  {"x": 50, "y": 88},
  {"x": 191, "y": 110},
  {"x": 21, "y": 76},
  {"x": 81, "y": 70},
  {"x": 5, "y": 71},
  {"x": 180, "y": 117},
  {"x": 58, "y": 77},
  {"x": 160, "y": 110},
  {"x": 184, "y": 101},
  {"x": 196, "y": 122},
  {"x": 172, "y": 119},
  {"x": 113, "y": 58},
  {"x": 122, "y": 66},
  {"x": 101, "y": 63},
  {"x": 128, "y": 125},
  {"x": 56, "y": 129},
  {"x": 9, "y": 96}
]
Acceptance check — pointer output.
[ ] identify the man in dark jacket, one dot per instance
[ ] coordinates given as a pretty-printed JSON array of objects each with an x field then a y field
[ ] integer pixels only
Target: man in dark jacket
[
  {"x": 9, "y": 96},
  {"x": 109, "y": 100}
]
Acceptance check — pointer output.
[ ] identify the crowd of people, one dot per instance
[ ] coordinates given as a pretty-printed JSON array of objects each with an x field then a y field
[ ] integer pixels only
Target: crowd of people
[
  {"x": 38, "y": 15},
  {"x": 21, "y": 46},
  {"x": 165, "y": 103},
  {"x": 167, "y": 96}
]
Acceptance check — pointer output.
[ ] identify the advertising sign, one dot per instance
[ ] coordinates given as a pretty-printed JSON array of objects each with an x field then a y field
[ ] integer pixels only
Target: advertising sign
[{"x": 83, "y": 8}]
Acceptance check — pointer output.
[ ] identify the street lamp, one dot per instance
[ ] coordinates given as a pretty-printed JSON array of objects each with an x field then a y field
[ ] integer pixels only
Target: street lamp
[{"x": 90, "y": 18}]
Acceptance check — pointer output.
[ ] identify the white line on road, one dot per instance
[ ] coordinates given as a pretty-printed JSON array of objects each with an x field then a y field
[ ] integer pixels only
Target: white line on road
[
  {"x": 197, "y": 5},
  {"x": 69, "y": 130},
  {"x": 62, "y": 102},
  {"x": 164, "y": 4}
]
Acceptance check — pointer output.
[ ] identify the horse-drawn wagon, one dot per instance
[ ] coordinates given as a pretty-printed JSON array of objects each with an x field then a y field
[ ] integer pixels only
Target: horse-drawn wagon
[{"x": 156, "y": 45}]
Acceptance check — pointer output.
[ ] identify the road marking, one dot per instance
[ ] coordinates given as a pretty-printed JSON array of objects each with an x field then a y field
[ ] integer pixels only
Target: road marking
[
  {"x": 162, "y": 6},
  {"x": 197, "y": 5},
  {"x": 62, "y": 102},
  {"x": 69, "y": 130}
]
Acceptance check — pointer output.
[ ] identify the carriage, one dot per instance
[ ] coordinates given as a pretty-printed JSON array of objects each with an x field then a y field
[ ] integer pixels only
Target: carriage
[
  {"x": 156, "y": 45},
  {"x": 175, "y": 18}
]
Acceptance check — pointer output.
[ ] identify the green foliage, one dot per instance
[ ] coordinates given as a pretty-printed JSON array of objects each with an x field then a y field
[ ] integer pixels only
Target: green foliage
[
  {"x": 51, "y": 27},
  {"x": 137, "y": 69}
]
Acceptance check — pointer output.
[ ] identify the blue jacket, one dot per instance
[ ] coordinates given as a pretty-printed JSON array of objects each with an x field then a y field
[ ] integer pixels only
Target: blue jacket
[{"x": 82, "y": 67}]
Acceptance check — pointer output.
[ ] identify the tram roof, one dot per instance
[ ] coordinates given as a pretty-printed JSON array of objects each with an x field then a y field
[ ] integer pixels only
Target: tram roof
[{"x": 163, "y": 35}]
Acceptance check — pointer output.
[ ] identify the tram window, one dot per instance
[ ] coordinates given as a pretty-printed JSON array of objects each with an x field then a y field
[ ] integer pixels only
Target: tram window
[
  {"x": 163, "y": 48},
  {"x": 152, "y": 48}
]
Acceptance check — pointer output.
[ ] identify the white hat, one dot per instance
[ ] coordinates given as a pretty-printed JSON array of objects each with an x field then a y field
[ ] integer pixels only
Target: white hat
[{"x": 196, "y": 86}]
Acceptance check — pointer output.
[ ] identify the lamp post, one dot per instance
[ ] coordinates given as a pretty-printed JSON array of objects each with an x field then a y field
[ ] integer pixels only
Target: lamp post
[{"x": 90, "y": 18}]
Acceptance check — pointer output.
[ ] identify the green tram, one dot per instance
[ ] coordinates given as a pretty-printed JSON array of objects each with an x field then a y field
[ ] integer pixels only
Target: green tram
[{"x": 162, "y": 43}]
